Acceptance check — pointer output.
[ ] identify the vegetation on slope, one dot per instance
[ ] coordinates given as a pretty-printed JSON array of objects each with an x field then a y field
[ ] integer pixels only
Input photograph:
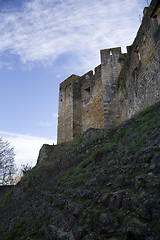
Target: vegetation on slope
[{"x": 102, "y": 185}]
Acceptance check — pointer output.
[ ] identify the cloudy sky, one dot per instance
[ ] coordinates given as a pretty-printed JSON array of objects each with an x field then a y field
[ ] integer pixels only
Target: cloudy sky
[{"x": 42, "y": 42}]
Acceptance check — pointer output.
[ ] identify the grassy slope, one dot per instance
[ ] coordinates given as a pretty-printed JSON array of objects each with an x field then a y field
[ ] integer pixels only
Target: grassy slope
[{"x": 100, "y": 185}]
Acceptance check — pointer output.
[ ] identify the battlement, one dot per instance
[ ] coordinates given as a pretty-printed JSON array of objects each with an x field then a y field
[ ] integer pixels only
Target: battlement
[
  {"x": 69, "y": 80},
  {"x": 109, "y": 56},
  {"x": 123, "y": 84},
  {"x": 97, "y": 71}
]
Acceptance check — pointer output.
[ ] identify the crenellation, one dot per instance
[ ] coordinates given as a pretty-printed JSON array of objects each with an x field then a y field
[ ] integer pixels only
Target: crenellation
[
  {"x": 97, "y": 72},
  {"x": 123, "y": 84}
]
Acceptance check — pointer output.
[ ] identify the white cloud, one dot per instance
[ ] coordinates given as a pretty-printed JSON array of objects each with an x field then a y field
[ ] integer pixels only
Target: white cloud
[
  {"x": 6, "y": 65},
  {"x": 46, "y": 124},
  {"x": 50, "y": 123},
  {"x": 26, "y": 147},
  {"x": 45, "y": 29}
]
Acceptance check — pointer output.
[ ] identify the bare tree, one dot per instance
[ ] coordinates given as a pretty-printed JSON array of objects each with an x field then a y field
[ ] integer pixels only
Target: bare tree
[
  {"x": 7, "y": 166},
  {"x": 25, "y": 168}
]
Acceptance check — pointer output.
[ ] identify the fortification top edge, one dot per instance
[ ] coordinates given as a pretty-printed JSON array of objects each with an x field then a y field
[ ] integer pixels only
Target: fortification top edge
[
  {"x": 108, "y": 50},
  {"x": 70, "y": 79}
]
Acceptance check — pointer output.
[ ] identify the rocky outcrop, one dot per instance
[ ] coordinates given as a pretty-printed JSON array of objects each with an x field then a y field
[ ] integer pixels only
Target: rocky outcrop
[{"x": 101, "y": 185}]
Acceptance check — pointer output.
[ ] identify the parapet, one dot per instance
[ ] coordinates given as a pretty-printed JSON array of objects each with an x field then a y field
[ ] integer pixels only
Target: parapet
[
  {"x": 69, "y": 80},
  {"x": 97, "y": 71},
  {"x": 87, "y": 75},
  {"x": 122, "y": 85},
  {"x": 106, "y": 54}
]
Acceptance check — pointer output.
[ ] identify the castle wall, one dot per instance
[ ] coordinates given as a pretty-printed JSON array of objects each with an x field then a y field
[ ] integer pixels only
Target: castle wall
[
  {"x": 65, "y": 112},
  {"x": 110, "y": 69},
  {"x": 123, "y": 85},
  {"x": 80, "y": 105},
  {"x": 77, "y": 107},
  {"x": 141, "y": 72},
  {"x": 92, "y": 100}
]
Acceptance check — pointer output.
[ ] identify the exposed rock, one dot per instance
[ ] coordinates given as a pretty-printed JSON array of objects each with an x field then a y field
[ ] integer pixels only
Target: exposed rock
[{"x": 106, "y": 187}]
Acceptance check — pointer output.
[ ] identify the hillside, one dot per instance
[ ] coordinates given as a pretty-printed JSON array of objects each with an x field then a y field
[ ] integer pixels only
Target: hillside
[{"x": 101, "y": 185}]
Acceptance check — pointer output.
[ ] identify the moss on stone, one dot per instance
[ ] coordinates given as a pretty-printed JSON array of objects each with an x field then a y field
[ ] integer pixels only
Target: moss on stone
[{"x": 121, "y": 80}]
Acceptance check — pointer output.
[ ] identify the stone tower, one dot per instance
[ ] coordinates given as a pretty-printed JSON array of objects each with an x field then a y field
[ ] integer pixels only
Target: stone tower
[
  {"x": 86, "y": 102},
  {"x": 123, "y": 84}
]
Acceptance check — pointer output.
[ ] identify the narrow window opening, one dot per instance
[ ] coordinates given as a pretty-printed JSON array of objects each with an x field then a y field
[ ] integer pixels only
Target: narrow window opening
[
  {"x": 138, "y": 55},
  {"x": 110, "y": 53},
  {"x": 87, "y": 94},
  {"x": 88, "y": 91},
  {"x": 65, "y": 93},
  {"x": 86, "y": 77}
]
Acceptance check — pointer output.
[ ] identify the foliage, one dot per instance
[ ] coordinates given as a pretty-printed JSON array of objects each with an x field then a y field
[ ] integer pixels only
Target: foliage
[
  {"x": 17, "y": 177},
  {"x": 116, "y": 175},
  {"x": 7, "y": 166},
  {"x": 76, "y": 140},
  {"x": 5, "y": 199},
  {"x": 25, "y": 168}
]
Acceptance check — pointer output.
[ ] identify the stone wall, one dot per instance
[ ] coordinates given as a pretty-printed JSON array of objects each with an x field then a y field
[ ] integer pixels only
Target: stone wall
[
  {"x": 80, "y": 105},
  {"x": 139, "y": 81},
  {"x": 110, "y": 70},
  {"x": 92, "y": 100},
  {"x": 65, "y": 119},
  {"x": 123, "y": 84}
]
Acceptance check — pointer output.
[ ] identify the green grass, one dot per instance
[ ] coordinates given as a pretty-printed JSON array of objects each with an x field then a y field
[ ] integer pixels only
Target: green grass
[
  {"x": 5, "y": 199},
  {"x": 34, "y": 233},
  {"x": 130, "y": 138},
  {"x": 79, "y": 173},
  {"x": 120, "y": 140},
  {"x": 76, "y": 141}
]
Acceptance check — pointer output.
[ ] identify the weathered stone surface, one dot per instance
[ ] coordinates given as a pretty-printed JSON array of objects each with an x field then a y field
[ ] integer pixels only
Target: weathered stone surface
[
  {"x": 103, "y": 184},
  {"x": 122, "y": 86},
  {"x": 100, "y": 186}
]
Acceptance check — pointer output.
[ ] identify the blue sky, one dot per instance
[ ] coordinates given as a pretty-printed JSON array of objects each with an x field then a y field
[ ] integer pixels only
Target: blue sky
[{"x": 42, "y": 42}]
